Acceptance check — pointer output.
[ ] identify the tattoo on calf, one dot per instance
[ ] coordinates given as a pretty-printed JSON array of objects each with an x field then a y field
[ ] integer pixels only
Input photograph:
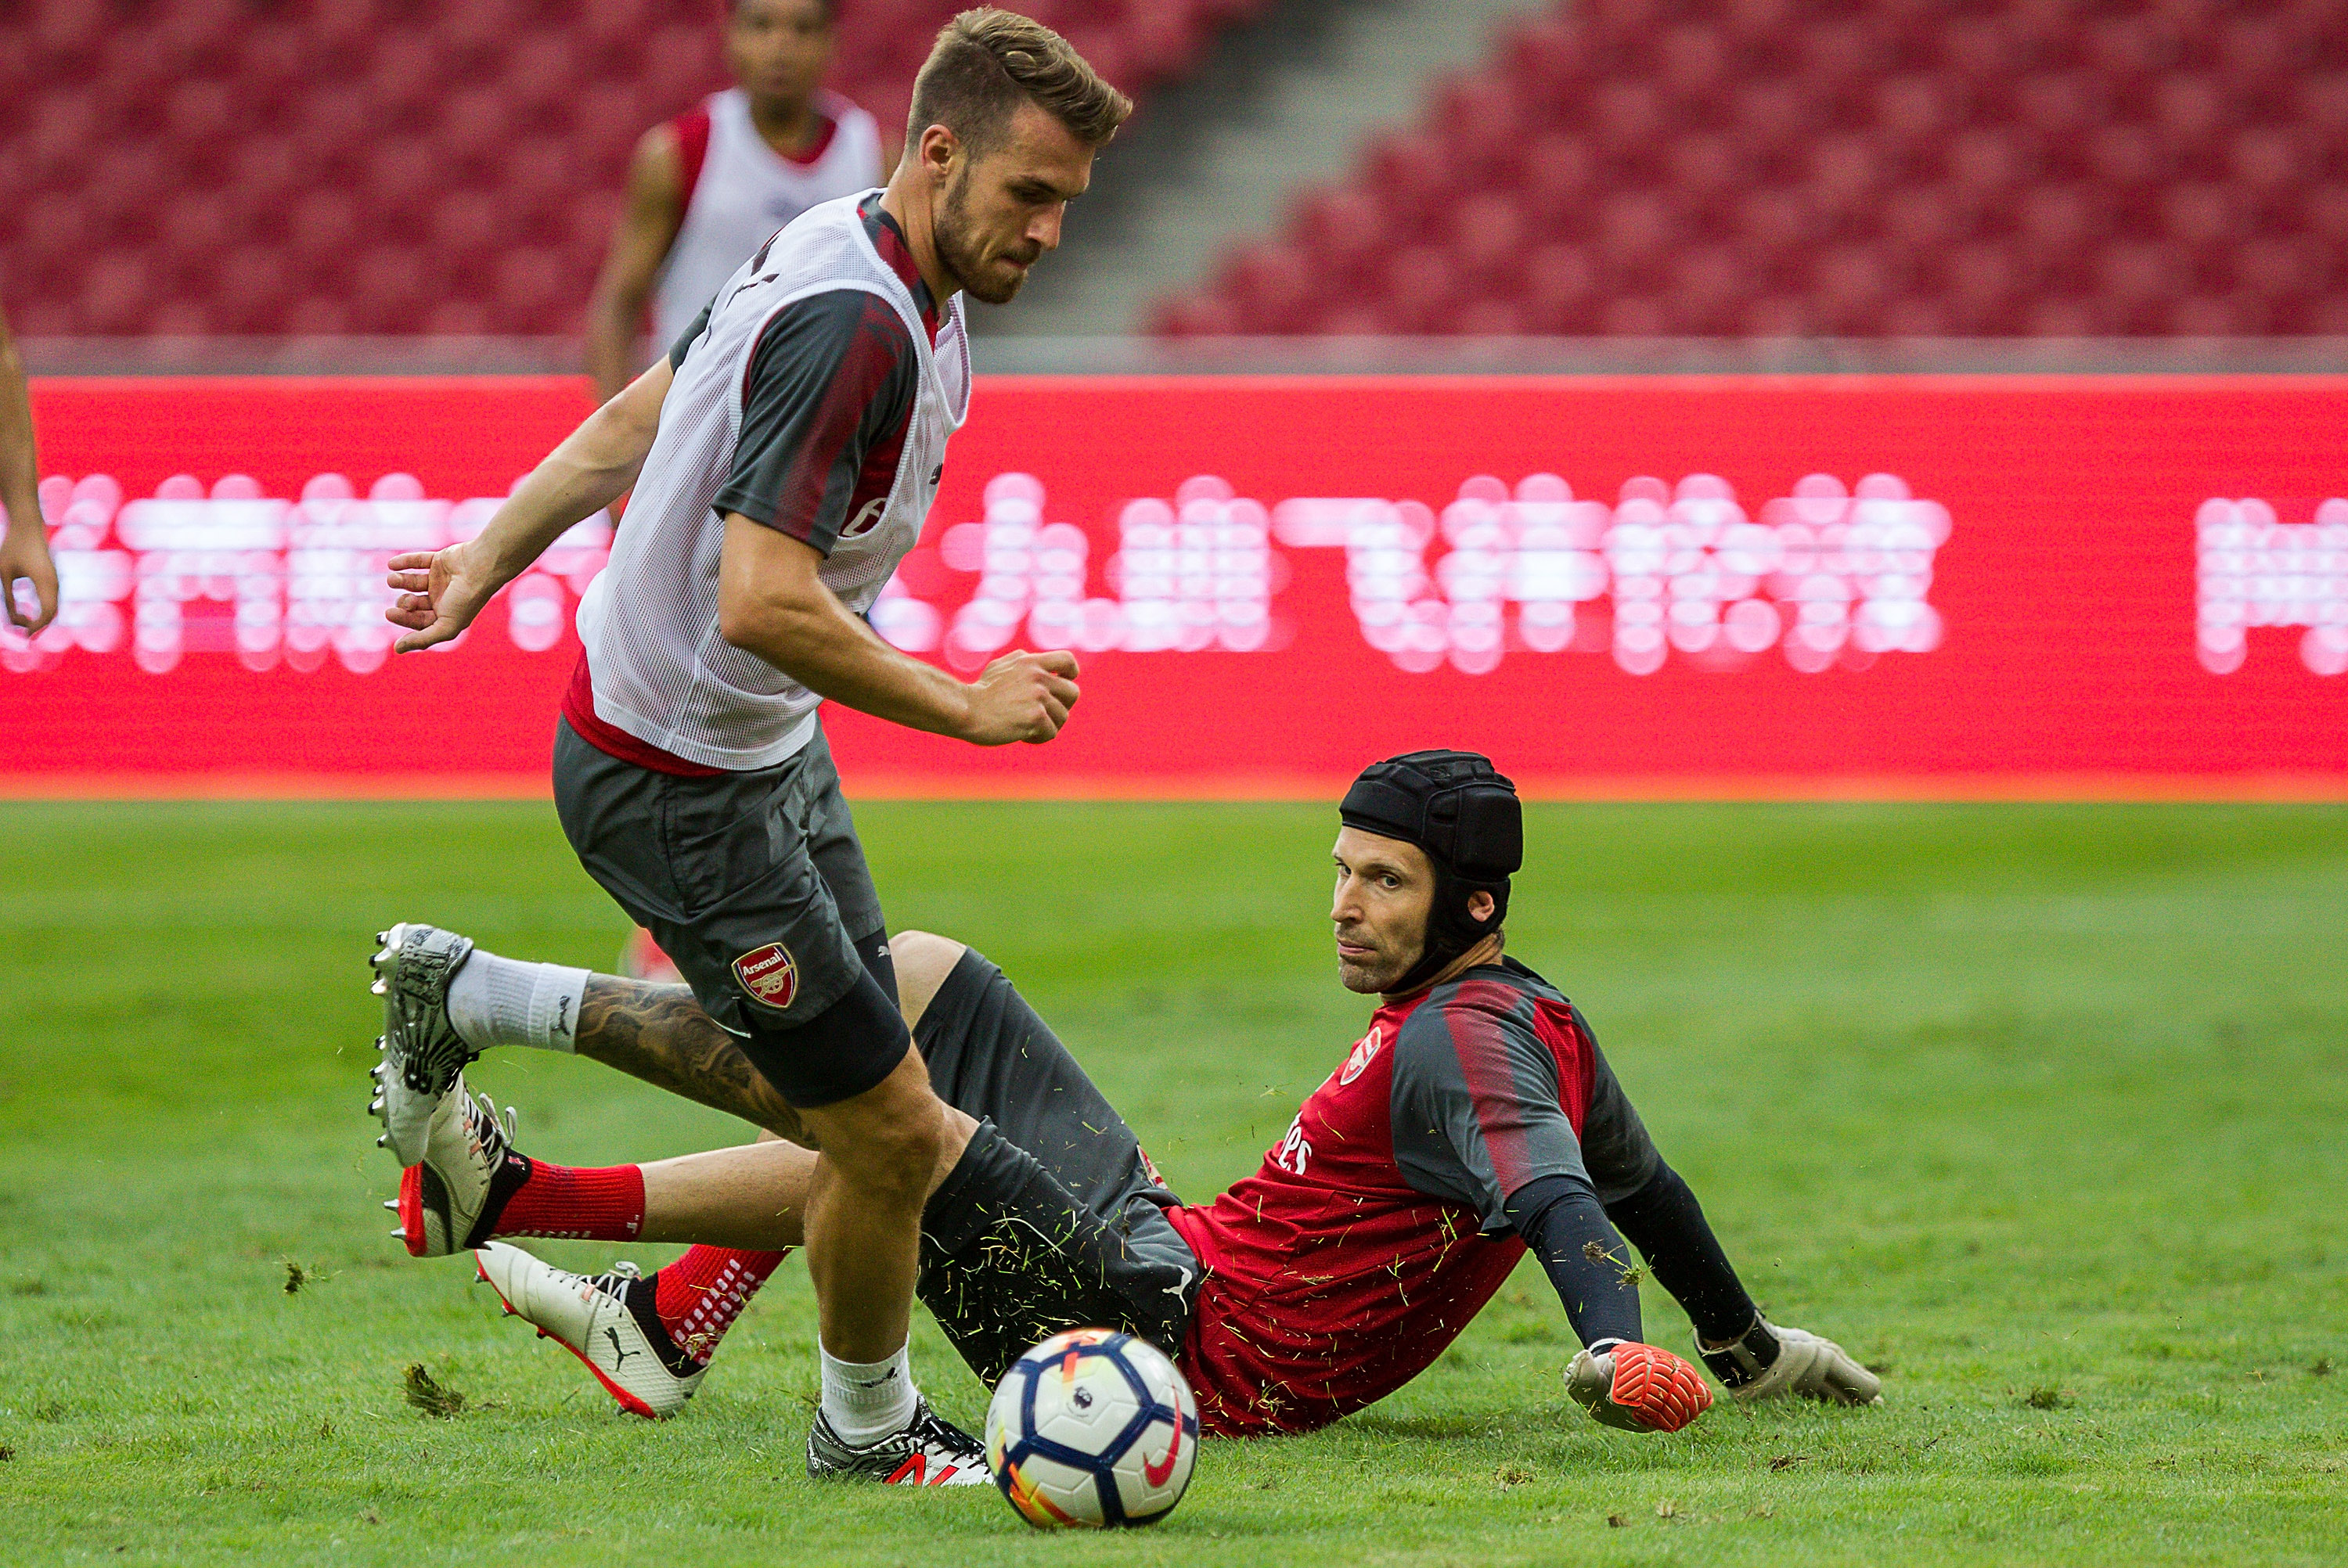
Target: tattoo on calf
[{"x": 660, "y": 1034}]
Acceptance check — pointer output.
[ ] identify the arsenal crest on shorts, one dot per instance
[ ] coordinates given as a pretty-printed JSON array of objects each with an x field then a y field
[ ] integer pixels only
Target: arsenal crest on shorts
[{"x": 768, "y": 974}]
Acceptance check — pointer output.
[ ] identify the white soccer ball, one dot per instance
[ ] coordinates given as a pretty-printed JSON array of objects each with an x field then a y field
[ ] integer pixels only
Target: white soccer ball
[{"x": 1092, "y": 1426}]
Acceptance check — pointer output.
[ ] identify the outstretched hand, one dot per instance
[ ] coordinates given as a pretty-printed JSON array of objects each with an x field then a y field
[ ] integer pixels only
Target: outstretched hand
[
  {"x": 440, "y": 592},
  {"x": 1807, "y": 1366},
  {"x": 1022, "y": 696}
]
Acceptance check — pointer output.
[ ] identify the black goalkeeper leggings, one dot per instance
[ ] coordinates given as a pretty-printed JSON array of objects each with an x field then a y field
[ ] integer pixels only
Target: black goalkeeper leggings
[{"x": 1667, "y": 1225}]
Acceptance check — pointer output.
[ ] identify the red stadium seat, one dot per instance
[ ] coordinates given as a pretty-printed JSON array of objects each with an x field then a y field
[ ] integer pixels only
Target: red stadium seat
[
  {"x": 1694, "y": 62},
  {"x": 1900, "y": 166},
  {"x": 1411, "y": 172},
  {"x": 251, "y": 296},
  {"x": 69, "y": 34},
  {"x": 1922, "y": 219},
  {"x": 1710, "y": 286},
  {"x": 2192, "y": 112},
  {"x": 390, "y": 289},
  {"x": 1272, "y": 285},
  {"x": 390, "y": 109},
  {"x": 2325, "y": 209},
  {"x": 537, "y": 292},
  {"x": 1560, "y": 290},
  {"x": 1548, "y": 60},
  {"x": 118, "y": 295},
  {"x": 1484, "y": 127},
  {"x": 1772, "y": 114},
  {"x": 1558, "y": 176},
  {"x": 1343, "y": 229},
  {"x": 1918, "y": 316},
  {"x": 1916, "y": 109},
  {"x": 469, "y": 228},
  {"x": 318, "y": 315},
  {"x": 1422, "y": 290},
  {"x": 1204, "y": 315},
  {"x": 64, "y": 140},
  {"x": 543, "y": 82},
  {"x": 1489, "y": 251},
  {"x": 197, "y": 230},
  {"x": 324, "y": 231},
  {"x": 274, "y": 68},
  {"x": 1627, "y": 118}
]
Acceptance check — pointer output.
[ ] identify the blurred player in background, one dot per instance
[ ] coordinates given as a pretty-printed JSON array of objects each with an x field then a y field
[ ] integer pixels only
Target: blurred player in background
[
  {"x": 784, "y": 454},
  {"x": 1475, "y": 1119},
  {"x": 25, "y": 544},
  {"x": 705, "y": 189}
]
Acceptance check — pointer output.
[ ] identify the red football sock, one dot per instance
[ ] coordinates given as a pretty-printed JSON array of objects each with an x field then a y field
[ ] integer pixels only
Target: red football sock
[
  {"x": 600, "y": 1204},
  {"x": 699, "y": 1296}
]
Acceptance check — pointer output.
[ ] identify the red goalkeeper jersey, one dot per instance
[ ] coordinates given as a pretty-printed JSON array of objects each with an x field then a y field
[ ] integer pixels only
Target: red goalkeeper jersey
[{"x": 1374, "y": 1229}]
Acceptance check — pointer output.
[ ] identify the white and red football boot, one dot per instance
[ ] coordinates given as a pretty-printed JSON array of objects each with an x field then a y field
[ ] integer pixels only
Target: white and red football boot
[
  {"x": 605, "y": 1319},
  {"x": 449, "y": 1200}
]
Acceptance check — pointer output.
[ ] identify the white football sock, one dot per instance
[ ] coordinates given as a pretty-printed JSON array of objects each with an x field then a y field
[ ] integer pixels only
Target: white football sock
[
  {"x": 503, "y": 1001},
  {"x": 867, "y": 1400}
]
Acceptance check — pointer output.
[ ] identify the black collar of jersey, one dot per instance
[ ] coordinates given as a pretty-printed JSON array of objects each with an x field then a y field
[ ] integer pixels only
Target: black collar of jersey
[{"x": 888, "y": 238}]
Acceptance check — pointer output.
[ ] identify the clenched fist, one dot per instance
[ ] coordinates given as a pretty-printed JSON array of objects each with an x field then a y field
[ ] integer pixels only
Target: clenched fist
[
  {"x": 1020, "y": 697},
  {"x": 1638, "y": 1388}
]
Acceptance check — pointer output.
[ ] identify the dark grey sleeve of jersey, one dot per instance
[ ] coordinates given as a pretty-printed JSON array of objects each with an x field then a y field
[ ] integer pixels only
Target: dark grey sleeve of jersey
[
  {"x": 834, "y": 376},
  {"x": 1621, "y": 1157},
  {"x": 683, "y": 344},
  {"x": 1477, "y": 1112},
  {"x": 1479, "y": 1119}
]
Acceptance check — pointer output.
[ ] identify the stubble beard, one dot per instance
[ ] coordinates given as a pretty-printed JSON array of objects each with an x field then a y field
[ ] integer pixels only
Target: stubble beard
[
  {"x": 961, "y": 259},
  {"x": 1373, "y": 976}
]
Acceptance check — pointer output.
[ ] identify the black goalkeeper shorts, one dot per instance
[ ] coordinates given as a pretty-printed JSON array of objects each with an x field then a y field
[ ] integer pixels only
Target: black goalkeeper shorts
[{"x": 1054, "y": 1218}]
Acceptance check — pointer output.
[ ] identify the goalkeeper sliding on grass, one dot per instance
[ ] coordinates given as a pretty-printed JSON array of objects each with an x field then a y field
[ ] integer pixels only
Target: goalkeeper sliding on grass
[{"x": 1475, "y": 1119}]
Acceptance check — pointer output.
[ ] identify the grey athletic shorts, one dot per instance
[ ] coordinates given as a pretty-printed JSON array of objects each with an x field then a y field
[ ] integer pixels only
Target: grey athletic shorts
[
  {"x": 1054, "y": 1218},
  {"x": 754, "y": 884}
]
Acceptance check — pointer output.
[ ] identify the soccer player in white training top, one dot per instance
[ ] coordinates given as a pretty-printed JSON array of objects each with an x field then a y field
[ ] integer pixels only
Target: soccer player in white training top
[
  {"x": 705, "y": 189},
  {"x": 783, "y": 456}
]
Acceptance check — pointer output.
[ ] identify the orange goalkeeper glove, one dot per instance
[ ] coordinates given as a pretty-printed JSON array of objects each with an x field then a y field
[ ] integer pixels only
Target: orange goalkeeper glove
[{"x": 1637, "y": 1388}]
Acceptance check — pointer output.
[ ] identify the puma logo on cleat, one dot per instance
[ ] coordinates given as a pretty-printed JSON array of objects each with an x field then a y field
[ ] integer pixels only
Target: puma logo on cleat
[{"x": 618, "y": 1354}]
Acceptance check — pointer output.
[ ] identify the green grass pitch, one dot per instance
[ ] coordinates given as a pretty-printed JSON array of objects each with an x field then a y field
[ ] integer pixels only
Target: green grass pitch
[{"x": 2044, "y": 1109}]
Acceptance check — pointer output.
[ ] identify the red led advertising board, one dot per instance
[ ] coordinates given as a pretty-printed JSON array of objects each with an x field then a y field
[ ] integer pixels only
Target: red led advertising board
[{"x": 1636, "y": 586}]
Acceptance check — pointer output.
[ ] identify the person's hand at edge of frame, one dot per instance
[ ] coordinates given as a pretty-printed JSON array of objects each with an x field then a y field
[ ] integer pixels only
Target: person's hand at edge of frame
[{"x": 24, "y": 558}]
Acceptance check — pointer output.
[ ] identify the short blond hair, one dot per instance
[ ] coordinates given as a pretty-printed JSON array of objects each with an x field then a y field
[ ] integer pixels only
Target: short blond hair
[{"x": 988, "y": 62}]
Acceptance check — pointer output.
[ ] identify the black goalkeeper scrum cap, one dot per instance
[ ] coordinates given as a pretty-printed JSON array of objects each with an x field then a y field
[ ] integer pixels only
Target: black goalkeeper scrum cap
[{"x": 1453, "y": 804}]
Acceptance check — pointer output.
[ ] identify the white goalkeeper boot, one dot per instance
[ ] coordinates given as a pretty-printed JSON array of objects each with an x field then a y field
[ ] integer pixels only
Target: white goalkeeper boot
[
  {"x": 422, "y": 1053},
  {"x": 605, "y": 1319},
  {"x": 1770, "y": 1361},
  {"x": 450, "y": 1199}
]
